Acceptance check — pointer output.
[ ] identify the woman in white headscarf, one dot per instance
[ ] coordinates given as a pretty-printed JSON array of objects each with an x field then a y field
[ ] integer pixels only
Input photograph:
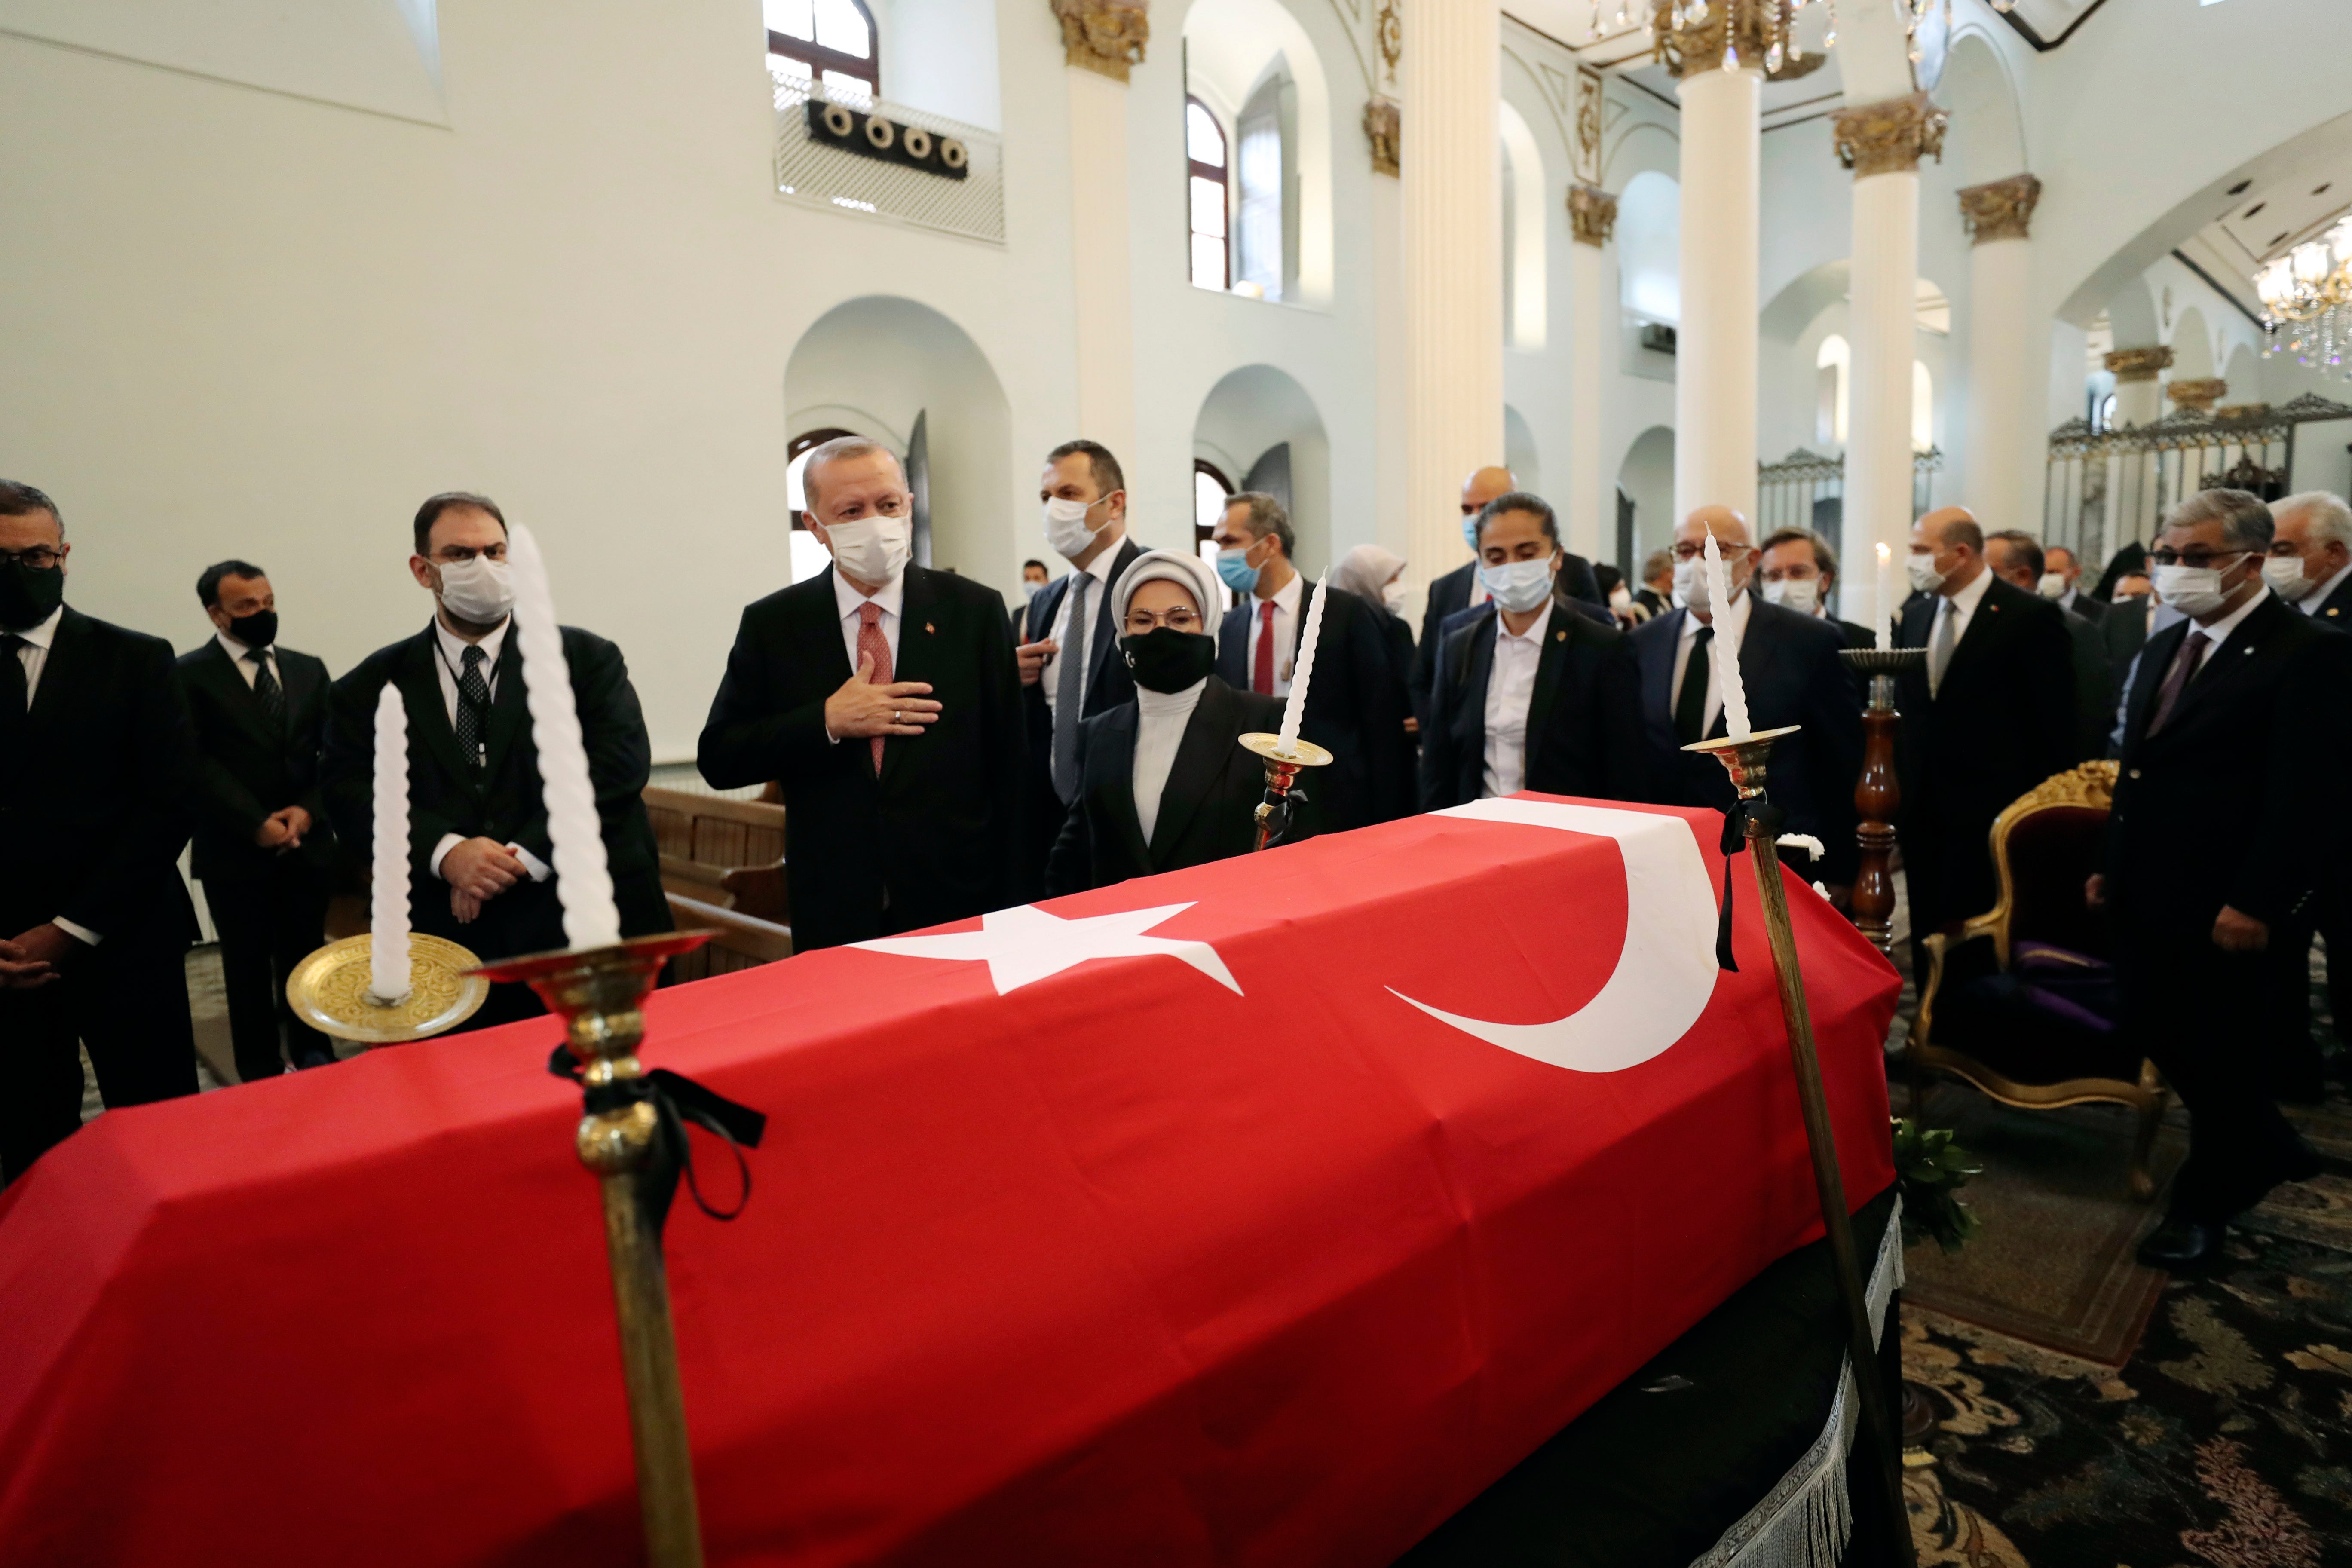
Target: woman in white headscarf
[
  {"x": 1377, "y": 576},
  {"x": 1163, "y": 781}
]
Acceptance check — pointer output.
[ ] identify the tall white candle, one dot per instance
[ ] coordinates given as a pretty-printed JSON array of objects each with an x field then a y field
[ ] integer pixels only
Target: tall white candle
[
  {"x": 1726, "y": 657},
  {"x": 583, "y": 883},
  {"x": 1884, "y": 609},
  {"x": 388, "y": 972},
  {"x": 1296, "y": 704}
]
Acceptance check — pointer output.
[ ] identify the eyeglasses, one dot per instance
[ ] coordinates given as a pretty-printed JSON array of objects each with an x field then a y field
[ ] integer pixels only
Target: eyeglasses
[
  {"x": 454, "y": 554},
  {"x": 2199, "y": 559},
  {"x": 39, "y": 558},
  {"x": 1179, "y": 619},
  {"x": 1693, "y": 552}
]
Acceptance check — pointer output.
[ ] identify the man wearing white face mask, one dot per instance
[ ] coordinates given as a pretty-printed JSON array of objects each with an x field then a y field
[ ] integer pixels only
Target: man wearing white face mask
[
  {"x": 481, "y": 869},
  {"x": 2310, "y": 563},
  {"x": 2061, "y": 583},
  {"x": 1798, "y": 571},
  {"x": 882, "y": 697},
  {"x": 1069, "y": 639},
  {"x": 1788, "y": 662}
]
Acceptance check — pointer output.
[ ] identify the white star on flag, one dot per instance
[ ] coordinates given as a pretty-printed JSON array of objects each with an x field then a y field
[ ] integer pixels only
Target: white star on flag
[{"x": 1023, "y": 945}]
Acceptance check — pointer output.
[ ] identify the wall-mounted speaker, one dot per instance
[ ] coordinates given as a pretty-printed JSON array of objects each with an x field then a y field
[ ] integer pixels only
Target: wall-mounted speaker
[{"x": 874, "y": 136}]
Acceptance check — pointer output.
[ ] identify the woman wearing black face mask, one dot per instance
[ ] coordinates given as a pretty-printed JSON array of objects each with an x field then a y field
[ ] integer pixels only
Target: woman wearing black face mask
[{"x": 1164, "y": 782}]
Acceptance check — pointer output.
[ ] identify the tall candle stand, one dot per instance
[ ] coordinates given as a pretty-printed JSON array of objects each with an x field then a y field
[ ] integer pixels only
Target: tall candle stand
[
  {"x": 1747, "y": 759},
  {"x": 1877, "y": 794},
  {"x": 1282, "y": 770},
  {"x": 329, "y": 990}
]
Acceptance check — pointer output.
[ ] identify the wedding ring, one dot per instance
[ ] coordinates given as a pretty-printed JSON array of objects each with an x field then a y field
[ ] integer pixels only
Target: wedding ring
[{"x": 894, "y": 716}]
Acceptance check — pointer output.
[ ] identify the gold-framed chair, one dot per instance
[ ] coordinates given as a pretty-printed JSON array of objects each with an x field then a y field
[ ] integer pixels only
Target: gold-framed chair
[{"x": 2038, "y": 1055}]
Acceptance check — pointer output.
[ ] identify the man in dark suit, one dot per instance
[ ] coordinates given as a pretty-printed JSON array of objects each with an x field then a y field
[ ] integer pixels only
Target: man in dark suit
[
  {"x": 96, "y": 768},
  {"x": 1987, "y": 715},
  {"x": 1797, "y": 570},
  {"x": 2017, "y": 557},
  {"x": 480, "y": 863},
  {"x": 1460, "y": 589},
  {"x": 1165, "y": 782},
  {"x": 1656, "y": 593},
  {"x": 262, "y": 849},
  {"x": 1084, "y": 494},
  {"x": 1530, "y": 695},
  {"x": 2061, "y": 580},
  {"x": 1351, "y": 704},
  {"x": 2310, "y": 566},
  {"x": 885, "y": 700},
  {"x": 2224, "y": 828},
  {"x": 1789, "y": 664}
]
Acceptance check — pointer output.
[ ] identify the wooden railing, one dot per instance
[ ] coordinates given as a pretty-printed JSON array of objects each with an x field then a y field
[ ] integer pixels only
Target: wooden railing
[{"x": 722, "y": 865}]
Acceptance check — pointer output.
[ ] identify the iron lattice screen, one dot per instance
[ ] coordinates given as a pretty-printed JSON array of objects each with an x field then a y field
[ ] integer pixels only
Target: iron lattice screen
[{"x": 811, "y": 171}]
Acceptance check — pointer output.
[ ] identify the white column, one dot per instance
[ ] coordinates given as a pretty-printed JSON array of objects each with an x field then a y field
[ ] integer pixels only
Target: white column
[
  {"x": 1452, "y": 267},
  {"x": 1882, "y": 143},
  {"x": 2008, "y": 361},
  {"x": 2139, "y": 396},
  {"x": 1591, "y": 517},
  {"x": 1103, "y": 299},
  {"x": 1715, "y": 344}
]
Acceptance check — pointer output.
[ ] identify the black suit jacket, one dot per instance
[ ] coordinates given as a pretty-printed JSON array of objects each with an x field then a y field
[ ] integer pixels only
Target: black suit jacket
[
  {"x": 938, "y": 836},
  {"x": 504, "y": 800},
  {"x": 2233, "y": 802},
  {"x": 1855, "y": 634},
  {"x": 1351, "y": 707},
  {"x": 1207, "y": 809},
  {"x": 1108, "y": 684},
  {"x": 1653, "y": 601},
  {"x": 1789, "y": 665},
  {"x": 2336, "y": 610},
  {"x": 94, "y": 811},
  {"x": 2121, "y": 633},
  {"x": 2094, "y": 687},
  {"x": 250, "y": 765},
  {"x": 2004, "y": 719},
  {"x": 1450, "y": 596},
  {"x": 1583, "y": 720},
  {"x": 2090, "y": 609}
]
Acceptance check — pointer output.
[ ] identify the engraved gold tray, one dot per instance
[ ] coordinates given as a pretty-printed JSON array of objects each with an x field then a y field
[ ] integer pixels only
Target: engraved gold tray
[{"x": 328, "y": 992}]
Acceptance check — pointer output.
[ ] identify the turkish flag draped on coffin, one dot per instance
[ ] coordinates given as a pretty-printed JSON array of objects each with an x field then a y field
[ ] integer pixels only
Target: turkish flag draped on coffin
[{"x": 1262, "y": 1213}]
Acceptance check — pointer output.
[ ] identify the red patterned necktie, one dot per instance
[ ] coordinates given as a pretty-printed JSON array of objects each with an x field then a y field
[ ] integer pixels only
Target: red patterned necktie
[
  {"x": 873, "y": 645},
  {"x": 1262, "y": 666}
]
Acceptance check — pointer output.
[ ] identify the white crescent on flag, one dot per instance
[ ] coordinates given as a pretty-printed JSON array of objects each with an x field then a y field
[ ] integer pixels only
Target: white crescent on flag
[{"x": 1666, "y": 972}]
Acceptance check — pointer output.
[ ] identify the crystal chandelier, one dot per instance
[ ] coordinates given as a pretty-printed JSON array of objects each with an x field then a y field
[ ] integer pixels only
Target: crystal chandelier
[
  {"x": 2308, "y": 295},
  {"x": 1680, "y": 29}
]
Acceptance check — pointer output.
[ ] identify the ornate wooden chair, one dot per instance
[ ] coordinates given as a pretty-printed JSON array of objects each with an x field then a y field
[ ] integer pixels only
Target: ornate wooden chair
[{"x": 2021, "y": 1000}]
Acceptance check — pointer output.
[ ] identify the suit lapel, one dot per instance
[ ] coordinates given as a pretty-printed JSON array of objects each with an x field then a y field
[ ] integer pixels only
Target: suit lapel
[
  {"x": 217, "y": 672},
  {"x": 1201, "y": 756},
  {"x": 2154, "y": 659},
  {"x": 2224, "y": 665},
  {"x": 62, "y": 674},
  {"x": 1551, "y": 664},
  {"x": 1104, "y": 639},
  {"x": 1232, "y": 648},
  {"x": 418, "y": 676},
  {"x": 1986, "y": 628},
  {"x": 918, "y": 655},
  {"x": 1114, "y": 744},
  {"x": 509, "y": 705},
  {"x": 1478, "y": 670},
  {"x": 1658, "y": 676}
]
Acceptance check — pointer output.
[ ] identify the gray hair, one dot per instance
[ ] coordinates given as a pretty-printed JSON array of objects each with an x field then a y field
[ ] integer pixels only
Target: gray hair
[
  {"x": 2331, "y": 519},
  {"x": 1266, "y": 516},
  {"x": 18, "y": 499},
  {"x": 2245, "y": 520},
  {"x": 839, "y": 449}
]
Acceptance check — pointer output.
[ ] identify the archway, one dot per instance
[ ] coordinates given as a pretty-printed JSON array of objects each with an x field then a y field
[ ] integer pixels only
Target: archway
[
  {"x": 1645, "y": 490},
  {"x": 1649, "y": 246},
  {"x": 1259, "y": 425},
  {"x": 1524, "y": 277},
  {"x": 1519, "y": 454},
  {"x": 1231, "y": 50}
]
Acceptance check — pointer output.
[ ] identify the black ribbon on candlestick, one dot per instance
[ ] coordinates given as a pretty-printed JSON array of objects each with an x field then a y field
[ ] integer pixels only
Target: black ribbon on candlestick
[
  {"x": 677, "y": 1099},
  {"x": 1735, "y": 838},
  {"x": 1279, "y": 811}
]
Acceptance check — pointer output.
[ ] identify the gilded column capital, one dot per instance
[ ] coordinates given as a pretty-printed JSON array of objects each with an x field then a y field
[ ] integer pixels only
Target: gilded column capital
[
  {"x": 1385, "y": 128},
  {"x": 2139, "y": 364},
  {"x": 2000, "y": 209},
  {"x": 1888, "y": 137},
  {"x": 1106, "y": 37},
  {"x": 2198, "y": 395},
  {"x": 1591, "y": 214}
]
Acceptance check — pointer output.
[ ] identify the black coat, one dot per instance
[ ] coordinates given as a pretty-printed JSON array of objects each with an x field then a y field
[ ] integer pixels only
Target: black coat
[
  {"x": 1207, "y": 809},
  {"x": 2336, "y": 610},
  {"x": 1449, "y": 595},
  {"x": 1649, "y": 599},
  {"x": 1855, "y": 634},
  {"x": 2094, "y": 687},
  {"x": 2004, "y": 719},
  {"x": 1351, "y": 707},
  {"x": 1789, "y": 663},
  {"x": 2090, "y": 609},
  {"x": 503, "y": 800},
  {"x": 2121, "y": 633},
  {"x": 249, "y": 765},
  {"x": 1583, "y": 720},
  {"x": 94, "y": 812},
  {"x": 938, "y": 836},
  {"x": 2236, "y": 800},
  {"x": 1108, "y": 685}
]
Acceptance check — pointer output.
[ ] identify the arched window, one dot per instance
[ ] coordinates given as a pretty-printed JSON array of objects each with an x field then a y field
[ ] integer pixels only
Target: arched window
[
  {"x": 831, "y": 40},
  {"x": 809, "y": 556},
  {"x": 1210, "y": 490},
  {"x": 1923, "y": 407},
  {"x": 1206, "y": 160}
]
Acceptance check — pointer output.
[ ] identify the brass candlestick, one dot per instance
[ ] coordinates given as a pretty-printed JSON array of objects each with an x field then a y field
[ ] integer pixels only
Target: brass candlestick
[
  {"x": 598, "y": 994},
  {"x": 329, "y": 990},
  {"x": 1747, "y": 759},
  {"x": 1281, "y": 777},
  {"x": 1877, "y": 794}
]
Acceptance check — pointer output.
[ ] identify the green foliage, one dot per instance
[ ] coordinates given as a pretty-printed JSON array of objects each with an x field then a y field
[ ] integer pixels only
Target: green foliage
[{"x": 1930, "y": 1171}]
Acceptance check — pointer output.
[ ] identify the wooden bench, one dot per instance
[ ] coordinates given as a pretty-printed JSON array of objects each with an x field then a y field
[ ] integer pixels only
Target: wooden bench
[{"x": 729, "y": 854}]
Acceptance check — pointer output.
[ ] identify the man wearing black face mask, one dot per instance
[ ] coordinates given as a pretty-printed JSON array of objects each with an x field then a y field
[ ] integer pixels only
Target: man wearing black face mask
[
  {"x": 1163, "y": 780},
  {"x": 262, "y": 848},
  {"x": 95, "y": 776}
]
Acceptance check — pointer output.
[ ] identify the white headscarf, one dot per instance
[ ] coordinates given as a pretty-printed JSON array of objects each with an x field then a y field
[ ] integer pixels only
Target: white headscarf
[
  {"x": 1365, "y": 572},
  {"x": 1154, "y": 565}
]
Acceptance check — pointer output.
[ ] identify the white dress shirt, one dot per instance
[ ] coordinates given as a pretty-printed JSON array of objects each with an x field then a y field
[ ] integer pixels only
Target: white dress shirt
[
  {"x": 35, "y": 657},
  {"x": 1285, "y": 631},
  {"x": 1510, "y": 687},
  {"x": 239, "y": 659},
  {"x": 1160, "y": 718},
  {"x": 1962, "y": 608},
  {"x": 2309, "y": 603},
  {"x": 449, "y": 664},
  {"x": 1730, "y": 630},
  {"x": 1047, "y": 678}
]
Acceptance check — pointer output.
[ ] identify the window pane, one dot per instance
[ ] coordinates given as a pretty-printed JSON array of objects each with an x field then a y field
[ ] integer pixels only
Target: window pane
[
  {"x": 1208, "y": 208},
  {"x": 854, "y": 89},
  {"x": 1203, "y": 143},
  {"x": 1207, "y": 510},
  {"x": 1208, "y": 261},
  {"x": 790, "y": 17},
  {"x": 1257, "y": 255},
  {"x": 840, "y": 24},
  {"x": 785, "y": 65}
]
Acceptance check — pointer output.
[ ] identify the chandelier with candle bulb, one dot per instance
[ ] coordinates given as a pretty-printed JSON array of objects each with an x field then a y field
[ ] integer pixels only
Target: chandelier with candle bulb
[
  {"x": 1731, "y": 32},
  {"x": 2306, "y": 298}
]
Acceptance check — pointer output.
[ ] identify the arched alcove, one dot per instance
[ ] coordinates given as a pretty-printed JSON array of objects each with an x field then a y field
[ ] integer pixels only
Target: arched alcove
[
  {"x": 1649, "y": 246},
  {"x": 2192, "y": 346},
  {"x": 1985, "y": 140},
  {"x": 1519, "y": 454},
  {"x": 1259, "y": 425},
  {"x": 1232, "y": 49},
  {"x": 1645, "y": 478},
  {"x": 2244, "y": 375},
  {"x": 872, "y": 365},
  {"x": 1522, "y": 231}
]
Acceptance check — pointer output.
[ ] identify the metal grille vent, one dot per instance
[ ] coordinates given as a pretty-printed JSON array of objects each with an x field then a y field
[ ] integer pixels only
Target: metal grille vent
[{"x": 819, "y": 174}]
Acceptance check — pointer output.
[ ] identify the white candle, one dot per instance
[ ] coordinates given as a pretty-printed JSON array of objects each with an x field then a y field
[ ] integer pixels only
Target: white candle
[
  {"x": 1884, "y": 609},
  {"x": 1296, "y": 704},
  {"x": 388, "y": 971},
  {"x": 582, "y": 881},
  {"x": 1726, "y": 657}
]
